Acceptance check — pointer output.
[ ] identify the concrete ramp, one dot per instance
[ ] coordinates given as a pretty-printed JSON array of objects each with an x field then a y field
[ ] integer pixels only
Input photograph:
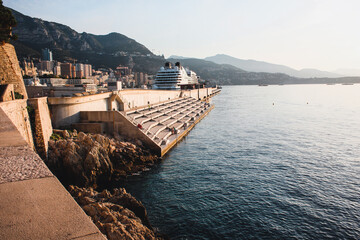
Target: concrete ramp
[{"x": 158, "y": 126}]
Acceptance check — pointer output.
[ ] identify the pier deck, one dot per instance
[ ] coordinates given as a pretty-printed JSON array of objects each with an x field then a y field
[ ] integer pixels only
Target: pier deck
[{"x": 168, "y": 123}]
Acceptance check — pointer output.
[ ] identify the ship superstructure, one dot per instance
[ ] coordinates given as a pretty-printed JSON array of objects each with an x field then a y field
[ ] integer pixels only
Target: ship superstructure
[{"x": 175, "y": 77}]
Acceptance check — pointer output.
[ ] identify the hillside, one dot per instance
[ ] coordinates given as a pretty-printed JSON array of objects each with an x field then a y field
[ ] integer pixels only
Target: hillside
[
  {"x": 259, "y": 66},
  {"x": 100, "y": 50}
]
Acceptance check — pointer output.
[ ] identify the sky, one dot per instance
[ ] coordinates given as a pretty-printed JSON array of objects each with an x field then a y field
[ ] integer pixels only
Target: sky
[{"x": 321, "y": 34}]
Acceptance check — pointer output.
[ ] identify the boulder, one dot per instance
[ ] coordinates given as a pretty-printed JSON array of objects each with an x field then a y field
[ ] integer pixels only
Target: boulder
[
  {"x": 118, "y": 215},
  {"x": 94, "y": 159}
]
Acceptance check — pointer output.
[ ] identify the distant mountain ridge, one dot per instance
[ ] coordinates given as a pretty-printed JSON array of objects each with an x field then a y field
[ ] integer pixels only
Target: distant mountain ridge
[
  {"x": 348, "y": 72},
  {"x": 110, "y": 50},
  {"x": 226, "y": 74},
  {"x": 260, "y": 66}
]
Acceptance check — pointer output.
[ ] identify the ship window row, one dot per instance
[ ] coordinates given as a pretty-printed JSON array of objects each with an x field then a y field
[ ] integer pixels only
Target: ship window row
[
  {"x": 162, "y": 77},
  {"x": 168, "y": 75},
  {"x": 168, "y": 78},
  {"x": 167, "y": 81}
]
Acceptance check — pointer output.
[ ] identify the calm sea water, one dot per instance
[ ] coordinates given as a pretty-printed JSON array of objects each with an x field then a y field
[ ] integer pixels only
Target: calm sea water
[{"x": 275, "y": 162}]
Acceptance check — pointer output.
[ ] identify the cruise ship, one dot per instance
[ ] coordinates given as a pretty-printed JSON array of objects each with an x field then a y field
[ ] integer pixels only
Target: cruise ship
[{"x": 175, "y": 77}]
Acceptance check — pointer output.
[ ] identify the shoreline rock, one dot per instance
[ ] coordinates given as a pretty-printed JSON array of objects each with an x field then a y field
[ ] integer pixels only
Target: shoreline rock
[
  {"x": 118, "y": 215},
  {"x": 99, "y": 161},
  {"x": 93, "y": 159}
]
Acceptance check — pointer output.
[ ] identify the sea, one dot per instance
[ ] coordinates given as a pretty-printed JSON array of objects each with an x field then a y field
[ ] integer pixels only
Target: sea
[{"x": 268, "y": 162}]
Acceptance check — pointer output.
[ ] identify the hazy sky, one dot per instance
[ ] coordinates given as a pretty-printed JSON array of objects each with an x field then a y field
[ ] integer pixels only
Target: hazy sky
[{"x": 322, "y": 34}]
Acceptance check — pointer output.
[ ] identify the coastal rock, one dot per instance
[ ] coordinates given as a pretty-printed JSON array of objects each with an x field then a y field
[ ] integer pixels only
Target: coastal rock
[
  {"x": 118, "y": 215},
  {"x": 92, "y": 159}
]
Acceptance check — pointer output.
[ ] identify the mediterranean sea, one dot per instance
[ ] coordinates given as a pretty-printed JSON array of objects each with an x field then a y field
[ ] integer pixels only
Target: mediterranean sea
[{"x": 268, "y": 162}]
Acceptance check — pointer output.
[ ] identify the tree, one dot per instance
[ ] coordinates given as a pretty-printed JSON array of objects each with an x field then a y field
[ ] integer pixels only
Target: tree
[{"x": 7, "y": 22}]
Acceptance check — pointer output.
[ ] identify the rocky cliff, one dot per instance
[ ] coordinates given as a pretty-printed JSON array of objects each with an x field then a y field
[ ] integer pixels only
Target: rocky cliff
[
  {"x": 93, "y": 159},
  {"x": 108, "y": 50},
  {"x": 118, "y": 215}
]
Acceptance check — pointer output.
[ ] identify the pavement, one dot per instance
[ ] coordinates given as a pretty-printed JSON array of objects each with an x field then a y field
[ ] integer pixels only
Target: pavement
[{"x": 33, "y": 203}]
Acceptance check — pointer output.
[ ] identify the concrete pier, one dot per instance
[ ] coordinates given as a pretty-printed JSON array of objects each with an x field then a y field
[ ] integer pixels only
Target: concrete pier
[
  {"x": 158, "y": 126},
  {"x": 167, "y": 123}
]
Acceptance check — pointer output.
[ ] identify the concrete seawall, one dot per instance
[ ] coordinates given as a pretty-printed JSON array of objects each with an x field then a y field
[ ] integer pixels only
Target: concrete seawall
[
  {"x": 158, "y": 126},
  {"x": 66, "y": 110}
]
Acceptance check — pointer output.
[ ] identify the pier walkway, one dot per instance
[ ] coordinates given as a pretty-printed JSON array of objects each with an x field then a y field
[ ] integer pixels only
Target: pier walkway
[
  {"x": 158, "y": 126},
  {"x": 167, "y": 123}
]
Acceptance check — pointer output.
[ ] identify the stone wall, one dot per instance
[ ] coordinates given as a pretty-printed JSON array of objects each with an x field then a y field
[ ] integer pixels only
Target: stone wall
[
  {"x": 10, "y": 72},
  {"x": 17, "y": 112},
  {"x": 42, "y": 125}
]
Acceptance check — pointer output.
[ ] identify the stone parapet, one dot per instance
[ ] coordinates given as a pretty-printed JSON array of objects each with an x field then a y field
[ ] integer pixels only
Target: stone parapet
[
  {"x": 42, "y": 128},
  {"x": 15, "y": 115}
]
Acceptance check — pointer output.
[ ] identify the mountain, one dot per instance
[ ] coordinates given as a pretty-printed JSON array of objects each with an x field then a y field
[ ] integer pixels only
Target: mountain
[
  {"x": 177, "y": 57},
  {"x": 114, "y": 49},
  {"x": 259, "y": 66},
  {"x": 314, "y": 73},
  {"x": 108, "y": 50},
  {"x": 348, "y": 72}
]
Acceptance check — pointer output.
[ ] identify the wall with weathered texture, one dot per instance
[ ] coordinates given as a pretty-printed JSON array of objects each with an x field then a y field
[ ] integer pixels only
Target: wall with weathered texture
[
  {"x": 116, "y": 122},
  {"x": 7, "y": 92},
  {"x": 16, "y": 111},
  {"x": 66, "y": 110},
  {"x": 10, "y": 72},
  {"x": 42, "y": 128}
]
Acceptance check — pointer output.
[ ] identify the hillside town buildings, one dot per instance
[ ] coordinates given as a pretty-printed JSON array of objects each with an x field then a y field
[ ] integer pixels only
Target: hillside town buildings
[{"x": 48, "y": 77}]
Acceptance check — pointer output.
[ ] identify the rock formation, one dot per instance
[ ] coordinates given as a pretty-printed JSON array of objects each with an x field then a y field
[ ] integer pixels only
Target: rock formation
[
  {"x": 94, "y": 159},
  {"x": 118, "y": 215}
]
